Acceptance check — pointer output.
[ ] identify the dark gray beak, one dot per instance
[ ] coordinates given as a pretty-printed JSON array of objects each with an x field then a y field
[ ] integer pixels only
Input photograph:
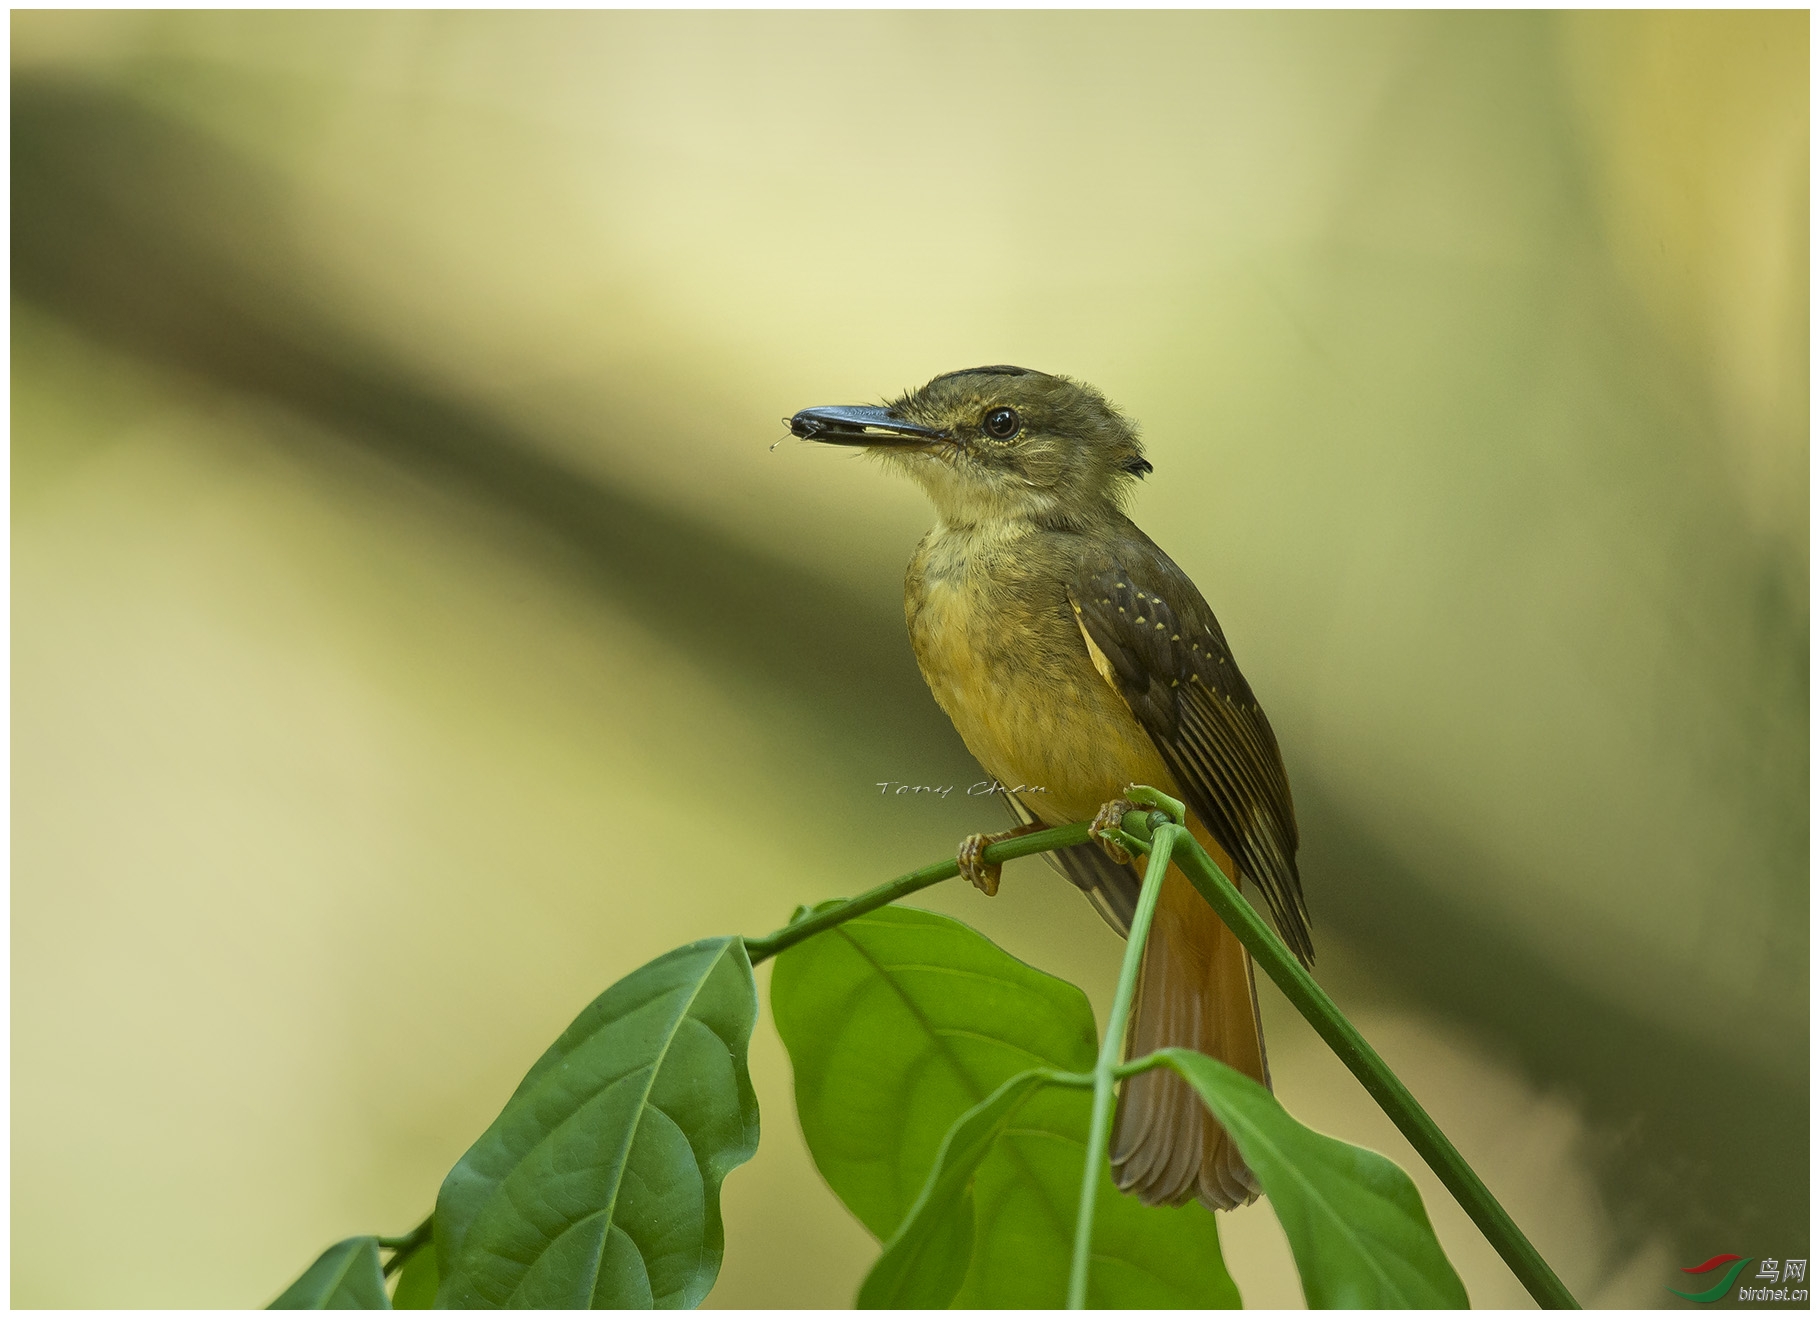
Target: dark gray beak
[{"x": 875, "y": 427}]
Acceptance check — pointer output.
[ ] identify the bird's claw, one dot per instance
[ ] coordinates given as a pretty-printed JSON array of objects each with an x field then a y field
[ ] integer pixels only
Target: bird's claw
[
  {"x": 980, "y": 874},
  {"x": 1108, "y": 826}
]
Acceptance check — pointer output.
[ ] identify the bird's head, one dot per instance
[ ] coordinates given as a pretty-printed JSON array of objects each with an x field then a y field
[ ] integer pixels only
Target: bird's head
[{"x": 994, "y": 443}]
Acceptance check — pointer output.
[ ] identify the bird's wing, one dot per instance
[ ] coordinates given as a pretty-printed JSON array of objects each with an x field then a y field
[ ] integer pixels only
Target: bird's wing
[
  {"x": 1159, "y": 646},
  {"x": 1111, "y": 888}
]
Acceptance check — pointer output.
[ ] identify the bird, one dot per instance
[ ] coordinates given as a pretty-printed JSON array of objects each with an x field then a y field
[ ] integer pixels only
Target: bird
[{"x": 1075, "y": 659}]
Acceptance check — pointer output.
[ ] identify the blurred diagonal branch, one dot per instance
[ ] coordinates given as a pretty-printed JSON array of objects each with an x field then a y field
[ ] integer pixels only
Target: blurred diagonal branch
[{"x": 122, "y": 221}]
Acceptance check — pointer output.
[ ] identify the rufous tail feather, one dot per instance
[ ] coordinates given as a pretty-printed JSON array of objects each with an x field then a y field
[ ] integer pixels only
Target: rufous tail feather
[{"x": 1195, "y": 989}]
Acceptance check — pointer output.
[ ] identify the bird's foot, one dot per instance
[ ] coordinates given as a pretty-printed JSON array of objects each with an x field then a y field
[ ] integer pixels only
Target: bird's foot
[
  {"x": 981, "y": 874},
  {"x": 1108, "y": 826}
]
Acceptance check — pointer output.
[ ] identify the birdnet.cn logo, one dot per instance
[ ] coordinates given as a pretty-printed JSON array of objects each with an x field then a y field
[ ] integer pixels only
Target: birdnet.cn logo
[{"x": 1768, "y": 1284}]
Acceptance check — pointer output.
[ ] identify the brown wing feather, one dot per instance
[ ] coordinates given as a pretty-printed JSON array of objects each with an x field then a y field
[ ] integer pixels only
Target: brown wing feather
[{"x": 1170, "y": 661}]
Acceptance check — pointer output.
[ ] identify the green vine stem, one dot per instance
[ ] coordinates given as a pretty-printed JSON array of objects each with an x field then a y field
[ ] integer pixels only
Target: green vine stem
[
  {"x": 1061, "y": 836},
  {"x": 1370, "y": 1069},
  {"x": 1162, "y": 841},
  {"x": 1165, "y": 840},
  {"x": 1273, "y": 956},
  {"x": 403, "y": 1248}
]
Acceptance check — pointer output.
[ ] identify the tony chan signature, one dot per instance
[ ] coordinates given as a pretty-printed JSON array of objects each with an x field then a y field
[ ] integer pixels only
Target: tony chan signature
[{"x": 984, "y": 788}]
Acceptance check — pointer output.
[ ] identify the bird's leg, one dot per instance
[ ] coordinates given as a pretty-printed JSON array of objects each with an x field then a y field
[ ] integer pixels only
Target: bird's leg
[
  {"x": 979, "y": 873},
  {"x": 1109, "y": 824}
]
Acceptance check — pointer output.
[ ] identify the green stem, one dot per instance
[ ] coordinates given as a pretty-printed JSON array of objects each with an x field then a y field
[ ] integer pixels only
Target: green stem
[
  {"x": 404, "y": 1248},
  {"x": 1162, "y": 841},
  {"x": 1384, "y": 1086},
  {"x": 769, "y": 946},
  {"x": 1282, "y": 968}
]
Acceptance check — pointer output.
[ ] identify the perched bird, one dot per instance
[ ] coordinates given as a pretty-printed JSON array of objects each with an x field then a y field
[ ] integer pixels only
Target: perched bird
[{"x": 1076, "y": 659}]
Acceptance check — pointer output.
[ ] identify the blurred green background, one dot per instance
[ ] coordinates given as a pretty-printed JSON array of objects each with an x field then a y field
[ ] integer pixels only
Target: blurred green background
[{"x": 414, "y": 628}]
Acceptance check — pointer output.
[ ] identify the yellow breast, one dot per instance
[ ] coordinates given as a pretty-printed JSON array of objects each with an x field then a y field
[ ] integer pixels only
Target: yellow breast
[{"x": 999, "y": 647}]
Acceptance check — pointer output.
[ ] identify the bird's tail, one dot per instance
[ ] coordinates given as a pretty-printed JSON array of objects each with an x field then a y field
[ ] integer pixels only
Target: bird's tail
[{"x": 1196, "y": 989}]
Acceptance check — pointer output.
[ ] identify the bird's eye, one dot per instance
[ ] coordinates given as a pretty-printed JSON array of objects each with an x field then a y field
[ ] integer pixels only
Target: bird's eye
[{"x": 1002, "y": 423}]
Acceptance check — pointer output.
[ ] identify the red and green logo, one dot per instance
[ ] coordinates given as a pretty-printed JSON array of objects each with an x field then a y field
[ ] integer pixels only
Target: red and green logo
[{"x": 1723, "y": 1286}]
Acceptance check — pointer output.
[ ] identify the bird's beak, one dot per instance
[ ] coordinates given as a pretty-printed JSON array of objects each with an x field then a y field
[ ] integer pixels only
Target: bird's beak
[{"x": 870, "y": 427}]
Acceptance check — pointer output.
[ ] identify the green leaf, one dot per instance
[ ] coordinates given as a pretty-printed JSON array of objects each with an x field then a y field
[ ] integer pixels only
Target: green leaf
[
  {"x": 1026, "y": 1197},
  {"x": 1355, "y": 1222},
  {"x": 346, "y": 1277},
  {"x": 898, "y": 1024},
  {"x": 416, "y": 1290},
  {"x": 599, "y": 1183},
  {"x": 924, "y": 1265}
]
